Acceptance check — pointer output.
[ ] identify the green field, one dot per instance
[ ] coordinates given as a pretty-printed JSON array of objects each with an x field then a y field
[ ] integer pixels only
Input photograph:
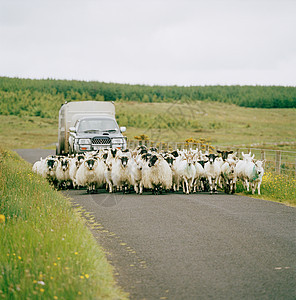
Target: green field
[{"x": 220, "y": 123}]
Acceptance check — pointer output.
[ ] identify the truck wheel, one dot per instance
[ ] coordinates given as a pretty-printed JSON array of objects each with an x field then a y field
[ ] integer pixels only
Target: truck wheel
[
  {"x": 57, "y": 149},
  {"x": 70, "y": 150}
]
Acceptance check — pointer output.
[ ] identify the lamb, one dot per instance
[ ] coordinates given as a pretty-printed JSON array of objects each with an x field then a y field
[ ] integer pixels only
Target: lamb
[
  {"x": 157, "y": 174},
  {"x": 212, "y": 171},
  {"x": 258, "y": 172},
  {"x": 86, "y": 174}
]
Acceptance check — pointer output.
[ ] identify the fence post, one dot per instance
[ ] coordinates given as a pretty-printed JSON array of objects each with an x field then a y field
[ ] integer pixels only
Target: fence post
[
  {"x": 278, "y": 162},
  {"x": 262, "y": 155}
]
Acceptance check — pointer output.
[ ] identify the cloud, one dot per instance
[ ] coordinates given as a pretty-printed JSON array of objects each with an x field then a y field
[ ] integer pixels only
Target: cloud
[{"x": 153, "y": 42}]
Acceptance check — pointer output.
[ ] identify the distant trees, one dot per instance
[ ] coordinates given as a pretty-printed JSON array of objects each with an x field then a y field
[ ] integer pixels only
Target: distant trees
[{"x": 44, "y": 97}]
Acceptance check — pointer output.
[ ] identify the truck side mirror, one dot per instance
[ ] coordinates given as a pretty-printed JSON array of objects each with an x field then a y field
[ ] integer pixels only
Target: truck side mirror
[
  {"x": 72, "y": 129},
  {"x": 122, "y": 129}
]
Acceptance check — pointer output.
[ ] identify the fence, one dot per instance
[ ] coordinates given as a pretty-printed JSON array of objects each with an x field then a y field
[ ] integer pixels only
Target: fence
[{"x": 280, "y": 162}]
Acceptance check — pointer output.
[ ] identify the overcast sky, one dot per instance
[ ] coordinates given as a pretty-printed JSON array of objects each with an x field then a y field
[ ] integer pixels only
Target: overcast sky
[{"x": 175, "y": 42}]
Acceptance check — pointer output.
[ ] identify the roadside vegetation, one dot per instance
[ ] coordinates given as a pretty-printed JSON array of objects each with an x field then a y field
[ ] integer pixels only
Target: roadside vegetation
[
  {"x": 275, "y": 187},
  {"x": 46, "y": 252}
]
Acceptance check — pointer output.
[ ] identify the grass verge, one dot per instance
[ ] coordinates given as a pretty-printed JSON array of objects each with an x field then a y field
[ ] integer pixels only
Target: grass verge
[
  {"x": 275, "y": 187},
  {"x": 46, "y": 252}
]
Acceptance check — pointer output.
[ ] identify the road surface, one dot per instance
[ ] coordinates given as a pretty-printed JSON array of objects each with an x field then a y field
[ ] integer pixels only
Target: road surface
[{"x": 199, "y": 246}]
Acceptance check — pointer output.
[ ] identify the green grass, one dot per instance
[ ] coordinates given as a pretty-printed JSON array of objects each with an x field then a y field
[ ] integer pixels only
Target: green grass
[
  {"x": 222, "y": 124},
  {"x": 275, "y": 187},
  {"x": 46, "y": 251}
]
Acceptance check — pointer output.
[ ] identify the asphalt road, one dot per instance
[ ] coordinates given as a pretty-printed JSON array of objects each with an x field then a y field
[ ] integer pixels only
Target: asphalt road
[{"x": 200, "y": 246}]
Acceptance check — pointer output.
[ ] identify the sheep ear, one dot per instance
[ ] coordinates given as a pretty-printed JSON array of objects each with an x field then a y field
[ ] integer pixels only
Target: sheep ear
[
  {"x": 218, "y": 151},
  {"x": 230, "y": 152},
  {"x": 253, "y": 156}
]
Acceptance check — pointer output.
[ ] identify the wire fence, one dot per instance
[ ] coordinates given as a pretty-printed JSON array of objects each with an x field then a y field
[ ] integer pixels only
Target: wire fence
[{"x": 277, "y": 161}]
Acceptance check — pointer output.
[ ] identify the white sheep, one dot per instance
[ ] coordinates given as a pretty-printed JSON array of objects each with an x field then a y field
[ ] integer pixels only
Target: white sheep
[
  {"x": 157, "y": 174},
  {"x": 120, "y": 172},
  {"x": 46, "y": 168},
  {"x": 74, "y": 165},
  {"x": 229, "y": 176},
  {"x": 212, "y": 171},
  {"x": 86, "y": 174},
  {"x": 62, "y": 172}
]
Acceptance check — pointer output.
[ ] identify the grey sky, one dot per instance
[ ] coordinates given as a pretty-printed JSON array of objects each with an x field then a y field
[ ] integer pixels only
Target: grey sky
[{"x": 183, "y": 42}]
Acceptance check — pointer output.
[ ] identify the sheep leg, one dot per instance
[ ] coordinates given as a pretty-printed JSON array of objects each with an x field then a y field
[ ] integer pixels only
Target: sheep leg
[
  {"x": 211, "y": 184},
  {"x": 259, "y": 184},
  {"x": 215, "y": 185}
]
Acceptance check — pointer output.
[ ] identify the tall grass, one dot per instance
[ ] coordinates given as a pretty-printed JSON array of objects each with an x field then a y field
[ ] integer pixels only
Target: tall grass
[
  {"x": 275, "y": 187},
  {"x": 46, "y": 252}
]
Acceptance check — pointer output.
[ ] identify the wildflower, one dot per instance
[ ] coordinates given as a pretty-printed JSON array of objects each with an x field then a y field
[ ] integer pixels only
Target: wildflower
[
  {"x": 55, "y": 298},
  {"x": 76, "y": 253},
  {"x": 19, "y": 257},
  {"x": 86, "y": 276},
  {"x": 81, "y": 276},
  {"x": 2, "y": 219},
  {"x": 41, "y": 282},
  {"x": 42, "y": 290}
]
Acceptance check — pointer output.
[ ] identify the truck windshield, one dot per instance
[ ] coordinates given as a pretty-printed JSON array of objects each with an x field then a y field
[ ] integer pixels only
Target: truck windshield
[{"x": 94, "y": 125}]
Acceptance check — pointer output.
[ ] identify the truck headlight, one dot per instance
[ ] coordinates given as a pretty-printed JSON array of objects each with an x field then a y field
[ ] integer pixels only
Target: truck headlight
[
  {"x": 116, "y": 141},
  {"x": 84, "y": 142}
]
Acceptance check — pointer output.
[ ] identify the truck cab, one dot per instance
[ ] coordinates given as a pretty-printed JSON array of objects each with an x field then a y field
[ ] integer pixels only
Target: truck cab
[
  {"x": 93, "y": 133},
  {"x": 88, "y": 126}
]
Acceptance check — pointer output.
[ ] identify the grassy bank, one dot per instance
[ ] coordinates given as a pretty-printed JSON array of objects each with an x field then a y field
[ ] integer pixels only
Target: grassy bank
[
  {"x": 278, "y": 188},
  {"x": 46, "y": 252}
]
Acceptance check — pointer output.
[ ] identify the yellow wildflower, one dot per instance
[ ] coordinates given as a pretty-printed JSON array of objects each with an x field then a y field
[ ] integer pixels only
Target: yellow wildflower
[{"x": 2, "y": 219}]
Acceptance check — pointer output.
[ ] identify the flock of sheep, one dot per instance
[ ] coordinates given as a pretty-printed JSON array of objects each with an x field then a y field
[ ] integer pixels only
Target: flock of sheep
[{"x": 147, "y": 169}]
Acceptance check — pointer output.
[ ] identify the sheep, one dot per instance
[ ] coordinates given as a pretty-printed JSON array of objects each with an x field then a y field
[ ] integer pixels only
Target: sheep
[
  {"x": 186, "y": 171},
  {"x": 199, "y": 175},
  {"x": 224, "y": 154},
  {"x": 135, "y": 176},
  {"x": 46, "y": 168},
  {"x": 62, "y": 172},
  {"x": 212, "y": 171},
  {"x": 86, "y": 174},
  {"x": 101, "y": 169},
  {"x": 244, "y": 169},
  {"x": 120, "y": 172},
  {"x": 258, "y": 172},
  {"x": 156, "y": 174},
  {"x": 74, "y": 165},
  {"x": 228, "y": 171}
]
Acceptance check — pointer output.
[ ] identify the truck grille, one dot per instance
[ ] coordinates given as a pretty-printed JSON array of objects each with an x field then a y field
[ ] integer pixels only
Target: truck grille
[{"x": 101, "y": 141}]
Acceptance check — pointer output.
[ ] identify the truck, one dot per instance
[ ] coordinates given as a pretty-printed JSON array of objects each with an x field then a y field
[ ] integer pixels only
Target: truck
[{"x": 88, "y": 126}]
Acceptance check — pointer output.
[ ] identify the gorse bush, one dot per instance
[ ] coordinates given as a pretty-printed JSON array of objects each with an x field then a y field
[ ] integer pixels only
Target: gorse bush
[{"x": 46, "y": 252}]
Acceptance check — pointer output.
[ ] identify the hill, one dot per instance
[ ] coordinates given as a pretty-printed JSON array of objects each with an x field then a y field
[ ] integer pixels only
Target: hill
[{"x": 28, "y": 97}]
